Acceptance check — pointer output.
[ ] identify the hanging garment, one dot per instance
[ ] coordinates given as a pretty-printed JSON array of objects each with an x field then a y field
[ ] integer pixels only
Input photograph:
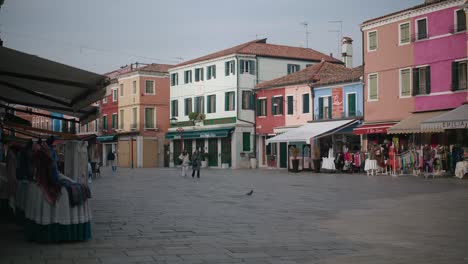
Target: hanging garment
[{"x": 43, "y": 176}]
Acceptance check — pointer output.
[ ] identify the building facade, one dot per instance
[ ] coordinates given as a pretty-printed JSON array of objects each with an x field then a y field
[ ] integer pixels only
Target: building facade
[{"x": 220, "y": 86}]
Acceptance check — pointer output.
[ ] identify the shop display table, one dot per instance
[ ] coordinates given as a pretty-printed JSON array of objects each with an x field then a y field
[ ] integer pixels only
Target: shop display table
[{"x": 461, "y": 169}]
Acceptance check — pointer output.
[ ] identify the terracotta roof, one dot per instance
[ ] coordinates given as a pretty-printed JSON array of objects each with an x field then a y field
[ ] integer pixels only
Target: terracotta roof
[
  {"x": 154, "y": 67},
  {"x": 404, "y": 10},
  {"x": 318, "y": 75},
  {"x": 261, "y": 48}
]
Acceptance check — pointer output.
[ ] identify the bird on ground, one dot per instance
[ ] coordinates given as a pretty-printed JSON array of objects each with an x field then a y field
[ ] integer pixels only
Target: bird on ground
[{"x": 249, "y": 193}]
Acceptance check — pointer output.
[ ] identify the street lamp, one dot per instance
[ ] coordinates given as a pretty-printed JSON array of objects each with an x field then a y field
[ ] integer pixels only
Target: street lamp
[{"x": 173, "y": 121}]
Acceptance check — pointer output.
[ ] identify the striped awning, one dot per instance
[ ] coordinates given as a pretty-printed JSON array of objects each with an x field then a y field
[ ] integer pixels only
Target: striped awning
[
  {"x": 412, "y": 124},
  {"x": 455, "y": 119}
]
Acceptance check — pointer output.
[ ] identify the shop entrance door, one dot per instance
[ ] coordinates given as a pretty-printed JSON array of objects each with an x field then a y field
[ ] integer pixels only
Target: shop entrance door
[
  {"x": 176, "y": 152},
  {"x": 213, "y": 152},
  {"x": 226, "y": 150},
  {"x": 283, "y": 155}
]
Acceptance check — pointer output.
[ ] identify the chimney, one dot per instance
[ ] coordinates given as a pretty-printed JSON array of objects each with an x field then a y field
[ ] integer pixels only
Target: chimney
[{"x": 347, "y": 51}]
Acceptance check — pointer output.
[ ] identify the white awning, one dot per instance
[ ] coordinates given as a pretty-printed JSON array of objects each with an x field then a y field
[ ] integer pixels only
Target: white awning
[
  {"x": 310, "y": 130},
  {"x": 36, "y": 82},
  {"x": 455, "y": 119}
]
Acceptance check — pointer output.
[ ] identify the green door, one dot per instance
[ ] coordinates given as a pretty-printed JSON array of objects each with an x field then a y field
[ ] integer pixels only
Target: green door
[
  {"x": 283, "y": 155},
  {"x": 352, "y": 104},
  {"x": 188, "y": 146},
  {"x": 226, "y": 150},
  {"x": 200, "y": 144},
  {"x": 177, "y": 145},
  {"x": 213, "y": 152}
]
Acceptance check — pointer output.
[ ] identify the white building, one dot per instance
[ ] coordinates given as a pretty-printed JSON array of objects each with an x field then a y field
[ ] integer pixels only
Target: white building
[{"x": 221, "y": 85}]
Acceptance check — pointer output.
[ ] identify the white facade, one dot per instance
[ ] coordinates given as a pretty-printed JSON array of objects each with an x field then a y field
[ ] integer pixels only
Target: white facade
[{"x": 261, "y": 69}]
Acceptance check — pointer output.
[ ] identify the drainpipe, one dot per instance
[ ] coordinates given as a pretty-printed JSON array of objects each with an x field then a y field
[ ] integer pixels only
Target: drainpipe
[{"x": 237, "y": 108}]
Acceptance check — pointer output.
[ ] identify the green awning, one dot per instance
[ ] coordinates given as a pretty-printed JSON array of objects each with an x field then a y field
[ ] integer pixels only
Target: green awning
[
  {"x": 209, "y": 133},
  {"x": 106, "y": 138}
]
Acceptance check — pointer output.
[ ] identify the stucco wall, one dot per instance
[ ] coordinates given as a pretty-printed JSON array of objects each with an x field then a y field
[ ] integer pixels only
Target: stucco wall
[
  {"x": 297, "y": 118},
  {"x": 266, "y": 124}
]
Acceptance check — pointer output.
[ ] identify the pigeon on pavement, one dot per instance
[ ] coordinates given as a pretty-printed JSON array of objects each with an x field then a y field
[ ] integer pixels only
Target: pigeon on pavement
[{"x": 250, "y": 193}]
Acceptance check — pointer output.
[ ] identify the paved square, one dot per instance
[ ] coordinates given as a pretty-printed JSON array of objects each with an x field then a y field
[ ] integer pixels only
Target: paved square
[{"x": 157, "y": 216}]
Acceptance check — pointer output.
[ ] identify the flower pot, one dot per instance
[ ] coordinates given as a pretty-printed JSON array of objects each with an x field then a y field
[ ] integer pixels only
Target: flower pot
[
  {"x": 204, "y": 163},
  {"x": 225, "y": 165},
  {"x": 253, "y": 163},
  {"x": 295, "y": 165}
]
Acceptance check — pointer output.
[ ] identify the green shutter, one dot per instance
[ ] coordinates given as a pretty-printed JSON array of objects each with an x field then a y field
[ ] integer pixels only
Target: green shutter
[
  {"x": 252, "y": 67},
  {"x": 351, "y": 104},
  {"x": 321, "y": 108},
  {"x": 233, "y": 100},
  {"x": 241, "y": 66},
  {"x": 416, "y": 81},
  {"x": 289, "y": 68},
  {"x": 281, "y": 106},
  {"x": 208, "y": 101},
  {"x": 226, "y": 68},
  {"x": 329, "y": 107},
  {"x": 214, "y": 104},
  {"x": 454, "y": 76},
  {"x": 233, "y": 70},
  {"x": 226, "y": 101},
  {"x": 214, "y": 71},
  {"x": 305, "y": 103},
  {"x": 428, "y": 80},
  {"x": 290, "y": 105},
  {"x": 259, "y": 107},
  {"x": 252, "y": 100},
  {"x": 246, "y": 141},
  {"x": 272, "y": 106},
  {"x": 104, "y": 122}
]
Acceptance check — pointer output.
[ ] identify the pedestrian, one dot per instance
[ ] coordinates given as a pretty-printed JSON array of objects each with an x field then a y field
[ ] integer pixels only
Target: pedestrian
[
  {"x": 111, "y": 158},
  {"x": 90, "y": 172},
  {"x": 196, "y": 164},
  {"x": 184, "y": 157}
]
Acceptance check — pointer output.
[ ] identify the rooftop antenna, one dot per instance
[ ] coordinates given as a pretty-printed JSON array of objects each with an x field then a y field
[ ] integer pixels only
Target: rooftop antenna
[
  {"x": 341, "y": 32},
  {"x": 306, "y": 26},
  {"x": 179, "y": 59},
  {"x": 339, "y": 44}
]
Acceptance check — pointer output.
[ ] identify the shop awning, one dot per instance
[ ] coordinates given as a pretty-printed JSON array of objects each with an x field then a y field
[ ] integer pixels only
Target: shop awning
[
  {"x": 373, "y": 129},
  {"x": 455, "y": 119},
  {"x": 106, "y": 138},
  {"x": 305, "y": 132},
  {"x": 193, "y": 134},
  {"x": 39, "y": 83},
  {"x": 412, "y": 124}
]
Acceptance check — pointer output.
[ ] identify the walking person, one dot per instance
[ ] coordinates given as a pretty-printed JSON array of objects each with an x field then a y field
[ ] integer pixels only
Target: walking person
[
  {"x": 196, "y": 164},
  {"x": 184, "y": 157},
  {"x": 111, "y": 158}
]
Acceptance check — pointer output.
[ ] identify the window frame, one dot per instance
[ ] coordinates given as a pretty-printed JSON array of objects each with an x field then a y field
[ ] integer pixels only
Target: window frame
[
  {"x": 134, "y": 87},
  {"x": 401, "y": 82},
  {"x": 418, "y": 68},
  {"x": 416, "y": 24},
  {"x": 209, "y": 100},
  {"x": 96, "y": 123},
  {"x": 115, "y": 94},
  {"x": 104, "y": 122},
  {"x": 104, "y": 99},
  {"x": 456, "y": 30},
  {"x": 121, "y": 88},
  {"x": 261, "y": 100},
  {"x": 230, "y": 68},
  {"x": 188, "y": 76},
  {"x": 355, "y": 104},
  {"x": 154, "y": 118},
  {"x": 376, "y": 40},
  {"x": 400, "y": 43},
  {"x": 200, "y": 74},
  {"x": 211, "y": 72},
  {"x": 174, "y": 79},
  {"x": 369, "y": 87},
  {"x": 287, "y": 103},
  {"x": 291, "y": 68},
  {"x": 250, "y": 104},
  {"x": 186, "y": 113},
  {"x": 174, "y": 108},
  {"x": 121, "y": 119},
  {"x": 275, "y": 113},
  {"x": 308, "y": 102},
  {"x": 116, "y": 125},
  {"x": 200, "y": 104},
  {"x": 152, "y": 87},
  {"x": 227, "y": 94}
]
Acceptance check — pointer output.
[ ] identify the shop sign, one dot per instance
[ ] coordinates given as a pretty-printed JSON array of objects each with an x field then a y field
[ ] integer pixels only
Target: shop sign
[
  {"x": 177, "y": 137},
  {"x": 337, "y": 102},
  {"x": 207, "y": 135},
  {"x": 455, "y": 124}
]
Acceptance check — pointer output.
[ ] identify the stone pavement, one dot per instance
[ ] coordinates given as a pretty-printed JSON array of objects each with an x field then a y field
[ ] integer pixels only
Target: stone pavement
[{"x": 157, "y": 216}]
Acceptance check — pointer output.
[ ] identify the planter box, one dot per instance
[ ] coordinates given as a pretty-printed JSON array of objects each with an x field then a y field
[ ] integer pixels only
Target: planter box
[
  {"x": 225, "y": 165},
  {"x": 204, "y": 163},
  {"x": 253, "y": 163}
]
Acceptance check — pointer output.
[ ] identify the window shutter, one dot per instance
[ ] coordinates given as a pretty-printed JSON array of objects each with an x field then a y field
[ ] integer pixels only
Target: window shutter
[
  {"x": 209, "y": 104},
  {"x": 252, "y": 100},
  {"x": 281, "y": 106},
  {"x": 226, "y": 68},
  {"x": 233, "y": 101},
  {"x": 428, "y": 80},
  {"x": 214, "y": 104},
  {"x": 352, "y": 105},
  {"x": 241, "y": 66},
  {"x": 290, "y": 105},
  {"x": 226, "y": 101},
  {"x": 272, "y": 106},
  {"x": 289, "y": 68},
  {"x": 252, "y": 67},
  {"x": 214, "y": 71},
  {"x": 321, "y": 108},
  {"x": 415, "y": 81},
  {"x": 454, "y": 76},
  {"x": 233, "y": 68},
  {"x": 329, "y": 107}
]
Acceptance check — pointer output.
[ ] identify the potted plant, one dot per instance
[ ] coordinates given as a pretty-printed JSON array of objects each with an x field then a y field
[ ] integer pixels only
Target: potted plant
[
  {"x": 295, "y": 161},
  {"x": 253, "y": 161},
  {"x": 204, "y": 159},
  {"x": 193, "y": 117}
]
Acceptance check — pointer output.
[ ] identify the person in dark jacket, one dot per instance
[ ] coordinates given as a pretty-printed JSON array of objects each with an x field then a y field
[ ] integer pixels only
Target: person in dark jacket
[
  {"x": 196, "y": 163},
  {"x": 111, "y": 158}
]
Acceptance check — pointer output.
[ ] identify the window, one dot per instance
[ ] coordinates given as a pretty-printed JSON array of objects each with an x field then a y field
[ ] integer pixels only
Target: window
[
  {"x": 229, "y": 101},
  {"x": 247, "y": 66},
  {"x": 248, "y": 99},
  {"x": 405, "y": 82},
  {"x": 372, "y": 40},
  {"x": 211, "y": 104},
  {"x": 460, "y": 24},
  {"x": 459, "y": 78},
  {"x": 149, "y": 118},
  {"x": 114, "y": 95},
  {"x": 174, "y": 79},
  {"x": 198, "y": 74},
  {"x": 174, "y": 108},
  {"x": 404, "y": 33},
  {"x": 308, "y": 65},
  {"x": 114, "y": 121},
  {"x": 325, "y": 107},
  {"x": 188, "y": 76},
  {"x": 188, "y": 106},
  {"x": 149, "y": 87},
  {"x": 230, "y": 68},
  {"x": 373, "y": 87},
  {"x": 96, "y": 125},
  {"x": 104, "y": 122},
  {"x": 104, "y": 99},
  {"x": 421, "y": 29},
  {"x": 134, "y": 86},
  {"x": 121, "y": 126},
  {"x": 422, "y": 80},
  {"x": 87, "y": 127},
  {"x": 305, "y": 103},
  {"x": 351, "y": 103},
  {"x": 277, "y": 105},
  {"x": 121, "y": 89},
  {"x": 211, "y": 72},
  {"x": 292, "y": 68},
  {"x": 199, "y": 104},
  {"x": 290, "y": 100},
  {"x": 134, "y": 118},
  {"x": 262, "y": 107},
  {"x": 245, "y": 141}
]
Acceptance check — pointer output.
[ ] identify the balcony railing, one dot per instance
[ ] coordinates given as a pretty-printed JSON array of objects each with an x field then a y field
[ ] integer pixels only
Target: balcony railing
[{"x": 457, "y": 28}]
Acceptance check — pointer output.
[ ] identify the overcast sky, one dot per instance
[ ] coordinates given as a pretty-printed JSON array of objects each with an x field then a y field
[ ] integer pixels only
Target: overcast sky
[{"x": 102, "y": 35}]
